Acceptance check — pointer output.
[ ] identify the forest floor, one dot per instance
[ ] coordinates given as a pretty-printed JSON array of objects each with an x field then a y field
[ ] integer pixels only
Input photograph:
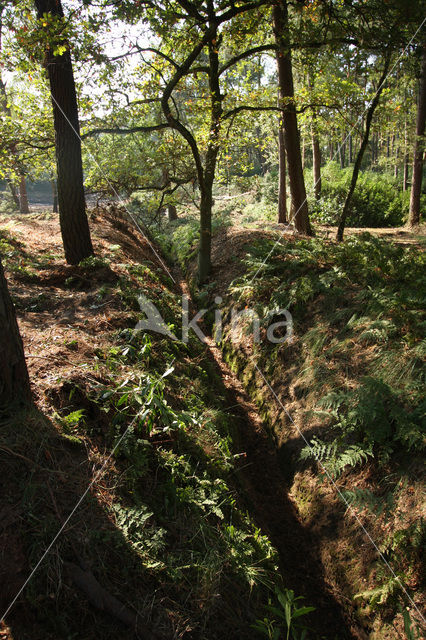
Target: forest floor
[{"x": 193, "y": 523}]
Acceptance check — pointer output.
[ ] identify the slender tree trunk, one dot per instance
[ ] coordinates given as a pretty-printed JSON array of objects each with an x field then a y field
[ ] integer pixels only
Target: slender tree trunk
[
  {"x": 14, "y": 381},
  {"x": 350, "y": 149},
  {"x": 331, "y": 151},
  {"x": 13, "y": 192},
  {"x": 23, "y": 197},
  {"x": 342, "y": 150},
  {"x": 206, "y": 187},
  {"x": 360, "y": 154},
  {"x": 316, "y": 153},
  {"x": 405, "y": 174},
  {"x": 259, "y": 153},
  {"x": 395, "y": 153},
  {"x": 71, "y": 200},
  {"x": 316, "y": 157},
  {"x": 282, "y": 181},
  {"x": 291, "y": 133},
  {"x": 373, "y": 151},
  {"x": 419, "y": 146},
  {"x": 171, "y": 212},
  {"x": 55, "y": 196}
]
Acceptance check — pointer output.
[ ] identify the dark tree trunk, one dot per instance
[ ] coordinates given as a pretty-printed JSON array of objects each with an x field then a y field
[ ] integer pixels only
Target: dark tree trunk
[
  {"x": 282, "y": 181},
  {"x": 350, "y": 150},
  {"x": 342, "y": 150},
  {"x": 206, "y": 186},
  {"x": 72, "y": 205},
  {"x": 14, "y": 381},
  {"x": 360, "y": 154},
  {"x": 171, "y": 212},
  {"x": 23, "y": 197},
  {"x": 419, "y": 146},
  {"x": 55, "y": 196},
  {"x": 291, "y": 133}
]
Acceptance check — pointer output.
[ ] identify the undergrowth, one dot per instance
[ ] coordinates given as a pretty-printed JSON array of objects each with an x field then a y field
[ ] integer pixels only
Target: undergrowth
[
  {"x": 144, "y": 419},
  {"x": 357, "y": 372}
]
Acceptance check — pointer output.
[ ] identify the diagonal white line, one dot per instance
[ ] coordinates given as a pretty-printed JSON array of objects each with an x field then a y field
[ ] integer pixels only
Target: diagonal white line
[
  {"x": 341, "y": 496},
  {"x": 344, "y": 141}
]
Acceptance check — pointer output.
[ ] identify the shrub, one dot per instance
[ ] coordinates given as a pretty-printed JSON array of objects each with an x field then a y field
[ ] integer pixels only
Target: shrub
[{"x": 376, "y": 202}]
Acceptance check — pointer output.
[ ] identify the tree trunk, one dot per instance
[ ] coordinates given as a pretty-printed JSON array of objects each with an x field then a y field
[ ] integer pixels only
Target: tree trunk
[
  {"x": 205, "y": 248},
  {"x": 350, "y": 151},
  {"x": 13, "y": 191},
  {"x": 55, "y": 196},
  {"x": 342, "y": 155},
  {"x": 206, "y": 186},
  {"x": 14, "y": 381},
  {"x": 72, "y": 206},
  {"x": 405, "y": 175},
  {"x": 406, "y": 160},
  {"x": 282, "y": 181},
  {"x": 316, "y": 154},
  {"x": 291, "y": 134},
  {"x": 23, "y": 197},
  {"x": 419, "y": 146},
  {"x": 364, "y": 143},
  {"x": 171, "y": 212}
]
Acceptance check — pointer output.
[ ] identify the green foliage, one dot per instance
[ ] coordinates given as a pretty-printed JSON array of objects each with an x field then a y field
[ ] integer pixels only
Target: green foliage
[
  {"x": 390, "y": 589},
  {"x": 334, "y": 458},
  {"x": 280, "y": 622},
  {"x": 357, "y": 361},
  {"x": 378, "y": 200}
]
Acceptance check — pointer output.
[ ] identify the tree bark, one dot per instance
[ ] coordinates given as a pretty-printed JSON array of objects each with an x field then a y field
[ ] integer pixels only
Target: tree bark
[
  {"x": 23, "y": 197},
  {"x": 14, "y": 380},
  {"x": 405, "y": 175},
  {"x": 360, "y": 154},
  {"x": 291, "y": 133},
  {"x": 13, "y": 192},
  {"x": 282, "y": 181},
  {"x": 419, "y": 146},
  {"x": 55, "y": 196},
  {"x": 342, "y": 150},
  {"x": 206, "y": 185},
  {"x": 316, "y": 155},
  {"x": 350, "y": 150},
  {"x": 72, "y": 206},
  {"x": 171, "y": 212}
]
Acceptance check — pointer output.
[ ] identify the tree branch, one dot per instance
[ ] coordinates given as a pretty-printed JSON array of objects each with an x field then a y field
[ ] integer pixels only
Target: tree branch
[
  {"x": 120, "y": 131},
  {"x": 260, "y": 49}
]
